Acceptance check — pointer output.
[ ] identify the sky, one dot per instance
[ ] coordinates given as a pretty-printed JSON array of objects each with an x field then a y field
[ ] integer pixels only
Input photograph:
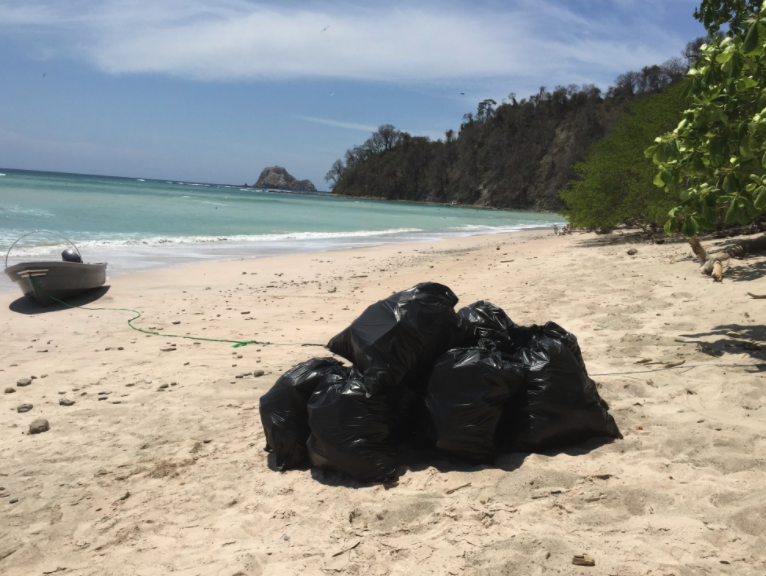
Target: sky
[{"x": 216, "y": 90}]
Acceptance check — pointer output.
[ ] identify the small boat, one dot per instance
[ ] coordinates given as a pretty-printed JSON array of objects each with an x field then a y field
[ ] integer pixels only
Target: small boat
[{"x": 57, "y": 279}]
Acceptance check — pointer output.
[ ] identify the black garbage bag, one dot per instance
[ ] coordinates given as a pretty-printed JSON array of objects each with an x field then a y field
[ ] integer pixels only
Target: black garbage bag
[
  {"x": 525, "y": 336},
  {"x": 468, "y": 391},
  {"x": 283, "y": 410},
  {"x": 563, "y": 406},
  {"x": 351, "y": 430},
  {"x": 396, "y": 341},
  {"x": 483, "y": 319}
]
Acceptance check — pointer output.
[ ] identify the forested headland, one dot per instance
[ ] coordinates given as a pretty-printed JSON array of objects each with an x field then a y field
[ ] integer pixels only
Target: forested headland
[{"x": 517, "y": 154}]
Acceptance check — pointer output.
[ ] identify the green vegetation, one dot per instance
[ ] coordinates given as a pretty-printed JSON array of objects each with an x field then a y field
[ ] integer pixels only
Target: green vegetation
[
  {"x": 715, "y": 160},
  {"x": 614, "y": 184},
  {"x": 516, "y": 154}
]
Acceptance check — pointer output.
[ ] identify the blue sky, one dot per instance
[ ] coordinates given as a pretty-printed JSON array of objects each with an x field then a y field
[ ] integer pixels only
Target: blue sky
[{"x": 215, "y": 90}]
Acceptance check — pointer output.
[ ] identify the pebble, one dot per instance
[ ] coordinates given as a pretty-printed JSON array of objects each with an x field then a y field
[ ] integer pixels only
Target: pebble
[
  {"x": 332, "y": 290},
  {"x": 147, "y": 381},
  {"x": 24, "y": 408},
  {"x": 258, "y": 373},
  {"x": 116, "y": 401},
  {"x": 167, "y": 349},
  {"x": 13, "y": 501},
  {"x": 120, "y": 348},
  {"x": 43, "y": 376},
  {"x": 104, "y": 393},
  {"x": 66, "y": 402},
  {"x": 176, "y": 322},
  {"x": 62, "y": 392},
  {"x": 38, "y": 426},
  {"x": 10, "y": 390},
  {"x": 162, "y": 386},
  {"x": 101, "y": 398},
  {"x": 24, "y": 382},
  {"x": 245, "y": 312},
  {"x": 239, "y": 376},
  {"x": 207, "y": 441},
  {"x": 632, "y": 251}
]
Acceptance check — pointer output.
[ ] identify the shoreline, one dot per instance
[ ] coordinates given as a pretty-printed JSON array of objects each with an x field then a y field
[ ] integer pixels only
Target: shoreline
[
  {"x": 130, "y": 258},
  {"x": 158, "y": 465}
]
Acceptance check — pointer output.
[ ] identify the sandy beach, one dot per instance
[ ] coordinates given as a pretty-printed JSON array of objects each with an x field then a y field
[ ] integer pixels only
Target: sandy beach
[{"x": 158, "y": 467}]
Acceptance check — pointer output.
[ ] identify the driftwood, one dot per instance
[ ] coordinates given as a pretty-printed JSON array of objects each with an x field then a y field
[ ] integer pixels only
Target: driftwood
[{"x": 712, "y": 264}]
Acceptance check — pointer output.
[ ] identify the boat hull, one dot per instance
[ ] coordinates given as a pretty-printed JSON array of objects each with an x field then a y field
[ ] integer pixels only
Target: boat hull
[{"x": 41, "y": 280}]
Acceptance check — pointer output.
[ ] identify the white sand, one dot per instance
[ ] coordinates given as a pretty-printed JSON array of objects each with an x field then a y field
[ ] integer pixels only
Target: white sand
[{"x": 685, "y": 495}]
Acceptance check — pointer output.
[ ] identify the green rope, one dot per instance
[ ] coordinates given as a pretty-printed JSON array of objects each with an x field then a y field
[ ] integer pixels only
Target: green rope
[{"x": 237, "y": 343}]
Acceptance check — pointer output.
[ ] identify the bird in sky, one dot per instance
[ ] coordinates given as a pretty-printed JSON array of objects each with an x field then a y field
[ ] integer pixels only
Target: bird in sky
[
  {"x": 43, "y": 74},
  {"x": 462, "y": 93},
  {"x": 325, "y": 28}
]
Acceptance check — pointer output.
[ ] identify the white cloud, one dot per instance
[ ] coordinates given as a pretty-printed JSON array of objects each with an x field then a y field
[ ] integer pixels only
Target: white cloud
[
  {"x": 338, "y": 124},
  {"x": 241, "y": 39}
]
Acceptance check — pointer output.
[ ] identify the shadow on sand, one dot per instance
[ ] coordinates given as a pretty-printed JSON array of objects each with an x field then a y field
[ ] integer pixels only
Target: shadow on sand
[
  {"x": 29, "y": 306},
  {"x": 416, "y": 460}
]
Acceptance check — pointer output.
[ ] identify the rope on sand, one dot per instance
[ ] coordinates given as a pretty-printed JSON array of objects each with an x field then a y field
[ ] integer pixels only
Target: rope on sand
[
  {"x": 684, "y": 367},
  {"x": 236, "y": 343}
]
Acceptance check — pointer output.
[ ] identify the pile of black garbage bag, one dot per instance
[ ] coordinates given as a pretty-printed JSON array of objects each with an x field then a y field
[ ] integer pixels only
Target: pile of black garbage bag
[{"x": 472, "y": 383}]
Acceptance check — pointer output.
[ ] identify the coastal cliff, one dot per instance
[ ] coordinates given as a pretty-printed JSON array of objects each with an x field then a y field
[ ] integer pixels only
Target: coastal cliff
[
  {"x": 518, "y": 154},
  {"x": 277, "y": 178}
]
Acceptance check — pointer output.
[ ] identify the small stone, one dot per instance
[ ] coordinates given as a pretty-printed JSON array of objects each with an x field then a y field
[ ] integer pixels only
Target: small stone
[
  {"x": 147, "y": 381},
  {"x": 239, "y": 376},
  {"x": 116, "y": 401},
  {"x": 245, "y": 312},
  {"x": 120, "y": 348},
  {"x": 286, "y": 538},
  {"x": 186, "y": 363},
  {"x": 13, "y": 501},
  {"x": 258, "y": 373},
  {"x": 10, "y": 390},
  {"x": 24, "y": 408},
  {"x": 24, "y": 382},
  {"x": 62, "y": 392},
  {"x": 38, "y": 426},
  {"x": 332, "y": 290},
  {"x": 104, "y": 393},
  {"x": 43, "y": 376},
  {"x": 583, "y": 560},
  {"x": 101, "y": 398},
  {"x": 162, "y": 386},
  {"x": 207, "y": 441},
  {"x": 632, "y": 252},
  {"x": 176, "y": 322},
  {"x": 66, "y": 402},
  {"x": 34, "y": 377},
  {"x": 168, "y": 349}
]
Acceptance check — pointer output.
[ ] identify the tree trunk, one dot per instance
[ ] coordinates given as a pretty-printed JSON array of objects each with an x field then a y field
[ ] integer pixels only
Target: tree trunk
[{"x": 745, "y": 247}]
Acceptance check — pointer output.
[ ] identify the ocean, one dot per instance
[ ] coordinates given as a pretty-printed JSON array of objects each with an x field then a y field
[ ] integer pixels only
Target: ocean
[{"x": 137, "y": 224}]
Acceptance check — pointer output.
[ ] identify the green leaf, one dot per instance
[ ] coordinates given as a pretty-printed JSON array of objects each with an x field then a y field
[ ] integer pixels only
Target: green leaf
[
  {"x": 760, "y": 199},
  {"x": 731, "y": 213},
  {"x": 671, "y": 226},
  {"x": 649, "y": 152},
  {"x": 751, "y": 39},
  {"x": 690, "y": 227},
  {"x": 724, "y": 57},
  {"x": 658, "y": 181}
]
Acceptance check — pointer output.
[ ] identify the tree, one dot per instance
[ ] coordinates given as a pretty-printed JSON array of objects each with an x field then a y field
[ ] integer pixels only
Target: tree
[
  {"x": 614, "y": 184},
  {"x": 389, "y": 136},
  {"x": 715, "y": 159},
  {"x": 335, "y": 173},
  {"x": 715, "y": 13}
]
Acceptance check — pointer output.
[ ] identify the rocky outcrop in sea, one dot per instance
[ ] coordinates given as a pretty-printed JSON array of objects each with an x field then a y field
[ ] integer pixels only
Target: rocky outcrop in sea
[{"x": 277, "y": 178}]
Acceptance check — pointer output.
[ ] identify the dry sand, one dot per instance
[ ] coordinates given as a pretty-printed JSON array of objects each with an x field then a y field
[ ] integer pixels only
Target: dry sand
[{"x": 175, "y": 480}]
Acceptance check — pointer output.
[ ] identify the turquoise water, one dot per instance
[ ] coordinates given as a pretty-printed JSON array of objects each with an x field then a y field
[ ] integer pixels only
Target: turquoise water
[{"x": 172, "y": 220}]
